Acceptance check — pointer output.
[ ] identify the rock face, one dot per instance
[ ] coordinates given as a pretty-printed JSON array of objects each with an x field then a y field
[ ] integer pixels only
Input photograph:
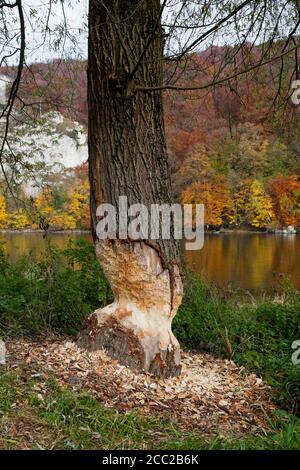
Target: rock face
[
  {"x": 136, "y": 328},
  {"x": 53, "y": 143},
  {"x": 5, "y": 81}
]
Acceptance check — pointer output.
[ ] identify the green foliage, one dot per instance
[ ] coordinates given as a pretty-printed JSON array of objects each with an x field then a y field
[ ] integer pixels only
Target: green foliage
[
  {"x": 57, "y": 291},
  {"x": 60, "y": 197},
  {"x": 257, "y": 335}
]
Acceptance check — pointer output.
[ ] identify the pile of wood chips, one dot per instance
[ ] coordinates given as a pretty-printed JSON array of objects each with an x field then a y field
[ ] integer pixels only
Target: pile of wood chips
[{"x": 211, "y": 395}]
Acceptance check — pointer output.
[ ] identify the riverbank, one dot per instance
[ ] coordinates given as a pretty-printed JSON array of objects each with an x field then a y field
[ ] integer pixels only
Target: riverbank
[
  {"x": 56, "y": 292},
  {"x": 210, "y": 396},
  {"x": 48, "y": 232},
  {"x": 206, "y": 230},
  {"x": 54, "y": 295},
  {"x": 254, "y": 262},
  {"x": 287, "y": 230},
  {"x": 61, "y": 418}
]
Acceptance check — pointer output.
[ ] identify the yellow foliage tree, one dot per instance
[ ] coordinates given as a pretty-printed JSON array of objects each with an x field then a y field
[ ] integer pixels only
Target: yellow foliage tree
[
  {"x": 3, "y": 213},
  {"x": 253, "y": 205},
  {"x": 19, "y": 220},
  {"x": 241, "y": 200},
  {"x": 63, "y": 221},
  {"x": 44, "y": 209},
  {"x": 79, "y": 202},
  {"x": 260, "y": 206}
]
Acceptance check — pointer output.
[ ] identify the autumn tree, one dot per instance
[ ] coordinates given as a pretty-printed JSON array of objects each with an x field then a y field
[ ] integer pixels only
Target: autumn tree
[
  {"x": 285, "y": 194},
  {"x": 3, "y": 213},
  {"x": 128, "y": 42},
  {"x": 253, "y": 204},
  {"x": 259, "y": 206},
  {"x": 19, "y": 220},
  {"x": 196, "y": 167},
  {"x": 217, "y": 200},
  {"x": 79, "y": 204},
  {"x": 43, "y": 209}
]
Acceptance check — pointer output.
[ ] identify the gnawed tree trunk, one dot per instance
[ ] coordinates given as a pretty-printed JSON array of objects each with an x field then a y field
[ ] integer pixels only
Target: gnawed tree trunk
[{"x": 127, "y": 156}]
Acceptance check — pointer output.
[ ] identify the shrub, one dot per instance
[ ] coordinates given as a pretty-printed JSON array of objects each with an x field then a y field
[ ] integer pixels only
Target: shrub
[{"x": 55, "y": 292}]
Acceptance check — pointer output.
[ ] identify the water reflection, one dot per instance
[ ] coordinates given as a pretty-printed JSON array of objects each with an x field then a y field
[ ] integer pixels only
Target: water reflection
[
  {"x": 257, "y": 262},
  {"x": 251, "y": 261},
  {"x": 18, "y": 244}
]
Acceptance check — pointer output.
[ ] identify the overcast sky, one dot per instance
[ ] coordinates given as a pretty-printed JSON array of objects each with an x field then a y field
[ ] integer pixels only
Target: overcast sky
[
  {"x": 76, "y": 17},
  {"x": 41, "y": 47}
]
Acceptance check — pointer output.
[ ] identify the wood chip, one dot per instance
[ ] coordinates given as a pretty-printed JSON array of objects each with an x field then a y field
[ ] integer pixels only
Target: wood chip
[{"x": 210, "y": 395}]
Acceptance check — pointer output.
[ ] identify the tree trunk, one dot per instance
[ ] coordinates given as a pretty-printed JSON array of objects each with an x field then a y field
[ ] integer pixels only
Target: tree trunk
[{"x": 128, "y": 156}]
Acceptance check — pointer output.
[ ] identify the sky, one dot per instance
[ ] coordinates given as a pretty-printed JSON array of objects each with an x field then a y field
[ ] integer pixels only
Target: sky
[
  {"x": 41, "y": 48},
  {"x": 75, "y": 12},
  {"x": 36, "y": 12}
]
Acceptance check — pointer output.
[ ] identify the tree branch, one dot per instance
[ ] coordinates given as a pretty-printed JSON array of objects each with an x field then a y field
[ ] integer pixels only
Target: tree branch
[
  {"x": 14, "y": 89},
  {"x": 218, "y": 82},
  {"x": 211, "y": 30}
]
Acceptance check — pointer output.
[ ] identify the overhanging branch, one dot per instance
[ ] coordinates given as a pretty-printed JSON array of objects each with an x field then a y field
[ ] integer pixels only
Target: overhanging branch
[{"x": 217, "y": 82}]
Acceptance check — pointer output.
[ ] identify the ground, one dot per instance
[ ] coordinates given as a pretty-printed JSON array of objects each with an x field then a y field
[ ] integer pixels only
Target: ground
[{"x": 212, "y": 397}]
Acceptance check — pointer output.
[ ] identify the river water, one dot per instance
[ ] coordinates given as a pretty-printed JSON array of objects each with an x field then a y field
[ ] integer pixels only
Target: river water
[{"x": 253, "y": 261}]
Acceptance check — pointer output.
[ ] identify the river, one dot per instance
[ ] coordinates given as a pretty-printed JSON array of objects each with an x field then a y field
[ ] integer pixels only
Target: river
[{"x": 253, "y": 261}]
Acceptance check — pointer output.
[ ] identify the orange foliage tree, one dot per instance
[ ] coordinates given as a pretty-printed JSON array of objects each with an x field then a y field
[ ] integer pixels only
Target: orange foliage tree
[
  {"x": 285, "y": 194},
  {"x": 217, "y": 200}
]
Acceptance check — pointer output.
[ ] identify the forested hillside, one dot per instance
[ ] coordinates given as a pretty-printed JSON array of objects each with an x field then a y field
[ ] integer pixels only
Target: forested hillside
[{"x": 232, "y": 147}]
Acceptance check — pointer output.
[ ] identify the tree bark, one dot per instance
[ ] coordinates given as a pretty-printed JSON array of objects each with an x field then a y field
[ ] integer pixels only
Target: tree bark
[{"x": 128, "y": 156}]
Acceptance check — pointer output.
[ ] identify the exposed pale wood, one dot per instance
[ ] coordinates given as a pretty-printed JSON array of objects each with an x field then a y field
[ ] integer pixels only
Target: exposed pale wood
[{"x": 136, "y": 328}]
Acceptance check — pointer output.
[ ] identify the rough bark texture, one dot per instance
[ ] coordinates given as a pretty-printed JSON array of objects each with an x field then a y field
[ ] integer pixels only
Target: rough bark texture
[{"x": 128, "y": 156}]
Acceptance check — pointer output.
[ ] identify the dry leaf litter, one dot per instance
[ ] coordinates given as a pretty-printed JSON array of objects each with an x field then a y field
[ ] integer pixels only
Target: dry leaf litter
[{"x": 211, "y": 395}]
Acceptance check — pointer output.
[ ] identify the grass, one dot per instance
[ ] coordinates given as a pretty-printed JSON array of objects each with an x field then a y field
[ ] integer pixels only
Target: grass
[{"x": 59, "y": 418}]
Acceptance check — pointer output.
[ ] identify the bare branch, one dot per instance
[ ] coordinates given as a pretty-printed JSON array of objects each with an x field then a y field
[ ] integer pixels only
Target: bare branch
[
  {"x": 14, "y": 89},
  {"x": 218, "y": 82}
]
